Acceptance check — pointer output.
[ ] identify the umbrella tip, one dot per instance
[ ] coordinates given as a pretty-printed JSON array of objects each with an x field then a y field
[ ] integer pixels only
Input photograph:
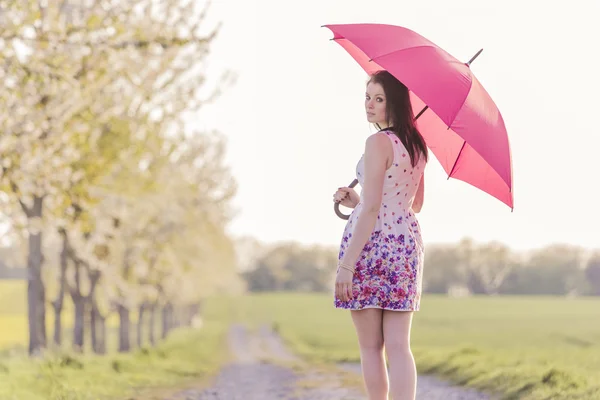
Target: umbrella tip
[{"x": 474, "y": 57}]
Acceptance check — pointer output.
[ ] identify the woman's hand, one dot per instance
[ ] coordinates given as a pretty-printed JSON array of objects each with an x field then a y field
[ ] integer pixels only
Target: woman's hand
[
  {"x": 347, "y": 197},
  {"x": 343, "y": 284}
]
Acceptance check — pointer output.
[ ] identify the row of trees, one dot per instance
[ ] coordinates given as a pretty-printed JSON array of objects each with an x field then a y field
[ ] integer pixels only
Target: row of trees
[
  {"x": 286, "y": 266},
  {"x": 114, "y": 204},
  {"x": 462, "y": 268},
  {"x": 492, "y": 268}
]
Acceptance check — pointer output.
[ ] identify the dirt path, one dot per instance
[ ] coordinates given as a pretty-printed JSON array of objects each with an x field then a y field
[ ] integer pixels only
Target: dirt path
[{"x": 264, "y": 369}]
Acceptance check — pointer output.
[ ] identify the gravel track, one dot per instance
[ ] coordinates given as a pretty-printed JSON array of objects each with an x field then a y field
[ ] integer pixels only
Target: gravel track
[{"x": 263, "y": 370}]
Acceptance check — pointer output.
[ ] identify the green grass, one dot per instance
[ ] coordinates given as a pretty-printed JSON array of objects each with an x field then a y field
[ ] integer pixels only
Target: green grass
[
  {"x": 188, "y": 356},
  {"x": 529, "y": 348},
  {"x": 184, "y": 356},
  {"x": 524, "y": 348}
]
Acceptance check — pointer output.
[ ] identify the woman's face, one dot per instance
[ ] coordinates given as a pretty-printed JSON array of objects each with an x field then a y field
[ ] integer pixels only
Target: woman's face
[{"x": 375, "y": 104}]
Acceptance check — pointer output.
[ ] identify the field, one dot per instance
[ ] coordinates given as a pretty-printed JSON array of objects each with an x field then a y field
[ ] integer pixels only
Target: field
[
  {"x": 525, "y": 348},
  {"x": 186, "y": 357},
  {"x": 13, "y": 321}
]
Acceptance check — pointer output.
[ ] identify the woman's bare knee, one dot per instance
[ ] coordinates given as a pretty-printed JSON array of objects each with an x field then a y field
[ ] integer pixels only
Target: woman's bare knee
[
  {"x": 374, "y": 344},
  {"x": 398, "y": 348}
]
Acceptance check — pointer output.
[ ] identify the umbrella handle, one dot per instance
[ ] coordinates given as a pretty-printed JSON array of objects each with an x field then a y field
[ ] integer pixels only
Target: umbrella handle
[{"x": 336, "y": 206}]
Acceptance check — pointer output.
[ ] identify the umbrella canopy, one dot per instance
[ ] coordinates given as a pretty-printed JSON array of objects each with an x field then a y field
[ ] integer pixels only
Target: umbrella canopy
[{"x": 461, "y": 125}]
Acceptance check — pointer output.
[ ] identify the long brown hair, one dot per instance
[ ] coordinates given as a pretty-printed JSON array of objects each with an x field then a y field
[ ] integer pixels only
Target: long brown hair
[{"x": 400, "y": 116}]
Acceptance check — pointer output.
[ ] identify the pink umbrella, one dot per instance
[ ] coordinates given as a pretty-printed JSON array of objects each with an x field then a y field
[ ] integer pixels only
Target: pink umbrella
[{"x": 457, "y": 117}]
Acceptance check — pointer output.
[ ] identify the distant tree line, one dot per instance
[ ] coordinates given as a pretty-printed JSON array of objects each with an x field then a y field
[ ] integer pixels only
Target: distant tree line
[
  {"x": 462, "y": 268},
  {"x": 492, "y": 268}
]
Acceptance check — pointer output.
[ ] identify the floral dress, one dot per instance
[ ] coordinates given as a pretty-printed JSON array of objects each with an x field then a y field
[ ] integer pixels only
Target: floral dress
[{"x": 389, "y": 270}]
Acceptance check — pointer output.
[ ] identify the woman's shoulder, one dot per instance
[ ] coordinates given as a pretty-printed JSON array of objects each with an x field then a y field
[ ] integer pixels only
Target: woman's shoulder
[
  {"x": 382, "y": 134},
  {"x": 378, "y": 140},
  {"x": 379, "y": 146}
]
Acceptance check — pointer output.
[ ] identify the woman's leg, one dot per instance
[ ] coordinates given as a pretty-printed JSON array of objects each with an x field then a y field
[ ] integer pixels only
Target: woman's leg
[
  {"x": 402, "y": 370},
  {"x": 368, "y": 325}
]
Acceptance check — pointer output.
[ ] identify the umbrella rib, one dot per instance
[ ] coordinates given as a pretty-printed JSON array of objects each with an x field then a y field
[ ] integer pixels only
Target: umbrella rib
[
  {"x": 407, "y": 48},
  {"x": 457, "y": 157}
]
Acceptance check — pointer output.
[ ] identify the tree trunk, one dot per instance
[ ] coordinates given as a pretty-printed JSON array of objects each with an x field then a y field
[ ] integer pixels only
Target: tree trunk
[
  {"x": 167, "y": 319},
  {"x": 152, "y": 325},
  {"x": 140, "y": 325},
  {"x": 79, "y": 302},
  {"x": 94, "y": 311},
  {"x": 101, "y": 334},
  {"x": 60, "y": 298},
  {"x": 124, "y": 324},
  {"x": 79, "y": 326},
  {"x": 36, "y": 293},
  {"x": 93, "y": 326},
  {"x": 98, "y": 327},
  {"x": 57, "y": 323}
]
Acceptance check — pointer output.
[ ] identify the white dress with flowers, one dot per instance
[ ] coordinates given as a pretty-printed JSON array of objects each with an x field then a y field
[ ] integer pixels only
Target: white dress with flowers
[{"x": 389, "y": 269}]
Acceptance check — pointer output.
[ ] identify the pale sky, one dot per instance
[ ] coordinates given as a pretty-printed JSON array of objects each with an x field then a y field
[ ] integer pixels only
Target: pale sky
[{"x": 296, "y": 127}]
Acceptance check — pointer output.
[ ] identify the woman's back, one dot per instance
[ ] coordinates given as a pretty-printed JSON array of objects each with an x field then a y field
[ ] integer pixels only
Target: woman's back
[{"x": 396, "y": 220}]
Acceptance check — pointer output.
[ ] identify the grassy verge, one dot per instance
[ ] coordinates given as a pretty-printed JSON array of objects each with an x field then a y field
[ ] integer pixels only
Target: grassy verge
[
  {"x": 522, "y": 348},
  {"x": 186, "y": 356}
]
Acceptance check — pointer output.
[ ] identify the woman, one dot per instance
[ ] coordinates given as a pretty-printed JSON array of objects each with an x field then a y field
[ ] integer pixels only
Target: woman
[{"x": 380, "y": 263}]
